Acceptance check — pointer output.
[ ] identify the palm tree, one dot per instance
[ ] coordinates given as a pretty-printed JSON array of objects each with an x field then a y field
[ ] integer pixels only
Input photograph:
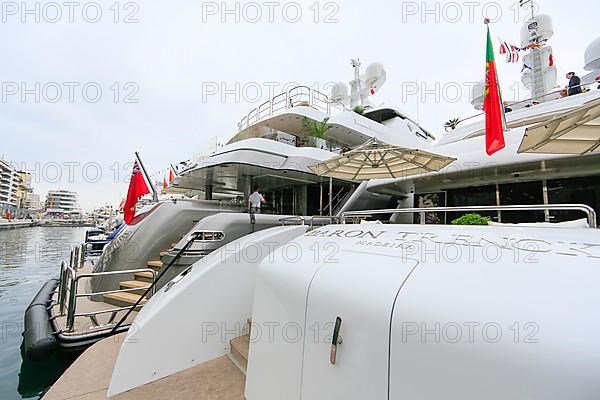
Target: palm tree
[
  {"x": 316, "y": 129},
  {"x": 451, "y": 124}
]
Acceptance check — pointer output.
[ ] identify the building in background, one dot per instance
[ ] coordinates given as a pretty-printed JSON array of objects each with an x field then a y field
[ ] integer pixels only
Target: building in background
[
  {"x": 33, "y": 202},
  {"x": 23, "y": 187},
  {"x": 10, "y": 180},
  {"x": 27, "y": 199},
  {"x": 63, "y": 204},
  {"x": 17, "y": 197}
]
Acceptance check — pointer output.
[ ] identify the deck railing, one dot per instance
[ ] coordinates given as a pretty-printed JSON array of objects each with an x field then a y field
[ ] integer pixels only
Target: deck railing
[
  {"x": 533, "y": 101},
  {"x": 316, "y": 220},
  {"x": 357, "y": 216},
  {"x": 68, "y": 291},
  {"x": 295, "y": 97}
]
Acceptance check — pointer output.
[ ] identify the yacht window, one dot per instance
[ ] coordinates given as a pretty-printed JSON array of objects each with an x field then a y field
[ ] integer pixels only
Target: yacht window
[
  {"x": 386, "y": 114},
  {"x": 382, "y": 115},
  {"x": 585, "y": 190},
  {"x": 472, "y": 196},
  {"x": 522, "y": 193}
]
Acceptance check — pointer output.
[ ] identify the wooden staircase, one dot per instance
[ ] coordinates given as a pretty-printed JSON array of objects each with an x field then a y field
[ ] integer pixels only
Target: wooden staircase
[
  {"x": 140, "y": 282},
  {"x": 239, "y": 351},
  {"x": 240, "y": 346}
]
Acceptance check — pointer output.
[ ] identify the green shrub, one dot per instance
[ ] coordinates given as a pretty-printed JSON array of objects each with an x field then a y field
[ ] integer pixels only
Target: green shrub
[
  {"x": 471, "y": 219},
  {"x": 359, "y": 110}
]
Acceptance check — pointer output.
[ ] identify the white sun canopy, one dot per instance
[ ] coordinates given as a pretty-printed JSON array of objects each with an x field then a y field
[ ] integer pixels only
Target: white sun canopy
[
  {"x": 574, "y": 132},
  {"x": 376, "y": 160}
]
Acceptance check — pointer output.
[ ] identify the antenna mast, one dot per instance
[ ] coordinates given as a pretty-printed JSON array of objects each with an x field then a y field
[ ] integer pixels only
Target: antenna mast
[
  {"x": 535, "y": 49},
  {"x": 355, "y": 85}
]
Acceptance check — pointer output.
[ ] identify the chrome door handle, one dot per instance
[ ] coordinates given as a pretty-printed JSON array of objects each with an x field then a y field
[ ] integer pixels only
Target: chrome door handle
[{"x": 336, "y": 339}]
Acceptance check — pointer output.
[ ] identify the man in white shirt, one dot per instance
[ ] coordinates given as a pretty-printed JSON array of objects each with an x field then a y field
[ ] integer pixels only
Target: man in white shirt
[{"x": 255, "y": 200}]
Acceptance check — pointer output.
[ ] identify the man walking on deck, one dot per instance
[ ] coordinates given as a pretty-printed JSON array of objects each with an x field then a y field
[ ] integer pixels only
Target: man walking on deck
[
  {"x": 255, "y": 200},
  {"x": 574, "y": 84}
]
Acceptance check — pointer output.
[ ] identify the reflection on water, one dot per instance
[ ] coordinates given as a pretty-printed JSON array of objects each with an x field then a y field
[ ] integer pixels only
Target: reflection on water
[{"x": 28, "y": 258}]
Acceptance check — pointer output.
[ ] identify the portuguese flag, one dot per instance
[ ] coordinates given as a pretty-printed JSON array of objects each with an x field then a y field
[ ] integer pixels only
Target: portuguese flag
[{"x": 492, "y": 103}]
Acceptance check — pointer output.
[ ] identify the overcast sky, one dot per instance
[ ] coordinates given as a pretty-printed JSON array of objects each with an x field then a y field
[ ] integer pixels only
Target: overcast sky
[{"x": 173, "y": 75}]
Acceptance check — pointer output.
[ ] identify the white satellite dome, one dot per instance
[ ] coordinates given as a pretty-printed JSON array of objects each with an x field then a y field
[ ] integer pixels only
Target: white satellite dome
[
  {"x": 339, "y": 91},
  {"x": 542, "y": 26},
  {"x": 477, "y": 94},
  {"x": 592, "y": 56},
  {"x": 375, "y": 76}
]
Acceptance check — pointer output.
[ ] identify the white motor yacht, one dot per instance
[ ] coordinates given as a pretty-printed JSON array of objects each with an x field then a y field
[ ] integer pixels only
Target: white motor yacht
[{"x": 369, "y": 293}]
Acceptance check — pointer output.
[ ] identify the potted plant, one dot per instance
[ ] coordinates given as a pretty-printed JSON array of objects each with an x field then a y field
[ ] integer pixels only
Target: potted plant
[
  {"x": 359, "y": 110},
  {"x": 471, "y": 219},
  {"x": 316, "y": 132}
]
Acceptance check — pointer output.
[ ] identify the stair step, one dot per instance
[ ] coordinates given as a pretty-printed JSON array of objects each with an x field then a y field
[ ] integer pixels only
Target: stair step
[
  {"x": 123, "y": 299},
  {"x": 144, "y": 276},
  {"x": 156, "y": 264},
  {"x": 239, "y": 350},
  {"x": 140, "y": 285},
  {"x": 133, "y": 284}
]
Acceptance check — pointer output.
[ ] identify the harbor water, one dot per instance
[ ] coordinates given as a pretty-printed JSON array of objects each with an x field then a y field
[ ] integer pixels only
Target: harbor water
[{"x": 28, "y": 258}]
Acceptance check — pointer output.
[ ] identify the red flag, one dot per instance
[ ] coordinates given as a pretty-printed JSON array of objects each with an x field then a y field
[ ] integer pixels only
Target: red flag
[
  {"x": 137, "y": 188},
  {"x": 551, "y": 60},
  {"x": 492, "y": 104},
  {"x": 171, "y": 175},
  {"x": 165, "y": 184}
]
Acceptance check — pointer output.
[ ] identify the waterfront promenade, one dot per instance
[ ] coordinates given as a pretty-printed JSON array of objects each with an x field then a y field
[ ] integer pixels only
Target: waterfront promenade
[
  {"x": 25, "y": 223},
  {"x": 17, "y": 223}
]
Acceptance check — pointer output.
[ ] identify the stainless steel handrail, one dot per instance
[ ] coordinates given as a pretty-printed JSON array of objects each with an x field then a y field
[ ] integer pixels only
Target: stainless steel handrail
[
  {"x": 207, "y": 236},
  {"x": 61, "y": 287},
  {"x": 530, "y": 100},
  {"x": 109, "y": 310},
  {"x": 589, "y": 211},
  {"x": 332, "y": 219},
  {"x": 290, "y": 99},
  {"x": 82, "y": 254},
  {"x": 299, "y": 219},
  {"x": 73, "y": 283},
  {"x": 335, "y": 199}
]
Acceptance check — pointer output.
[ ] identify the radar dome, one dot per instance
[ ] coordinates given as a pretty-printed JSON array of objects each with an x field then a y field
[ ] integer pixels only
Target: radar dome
[
  {"x": 375, "y": 75},
  {"x": 477, "y": 94},
  {"x": 592, "y": 56},
  {"x": 541, "y": 27},
  {"x": 339, "y": 91}
]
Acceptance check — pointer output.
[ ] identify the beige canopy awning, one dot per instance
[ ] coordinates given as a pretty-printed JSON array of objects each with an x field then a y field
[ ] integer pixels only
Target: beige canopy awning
[
  {"x": 574, "y": 132},
  {"x": 377, "y": 160}
]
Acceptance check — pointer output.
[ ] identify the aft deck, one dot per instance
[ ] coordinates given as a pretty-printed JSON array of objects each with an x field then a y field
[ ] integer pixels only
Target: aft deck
[{"x": 89, "y": 378}]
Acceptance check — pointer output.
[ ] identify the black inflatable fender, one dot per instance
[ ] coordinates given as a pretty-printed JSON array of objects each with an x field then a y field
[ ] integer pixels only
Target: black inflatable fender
[{"x": 39, "y": 340}]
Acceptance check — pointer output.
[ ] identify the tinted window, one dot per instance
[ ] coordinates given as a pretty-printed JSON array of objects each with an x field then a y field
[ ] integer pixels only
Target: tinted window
[
  {"x": 573, "y": 191},
  {"x": 522, "y": 194}
]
